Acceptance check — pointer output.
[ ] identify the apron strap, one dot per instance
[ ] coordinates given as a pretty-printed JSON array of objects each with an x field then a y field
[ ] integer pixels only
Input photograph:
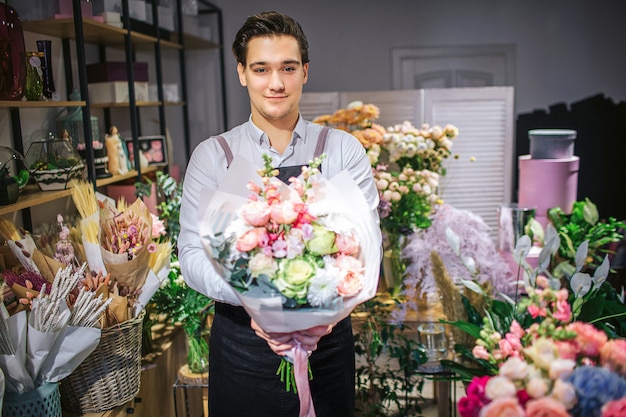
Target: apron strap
[
  {"x": 321, "y": 142},
  {"x": 227, "y": 152},
  {"x": 319, "y": 149}
]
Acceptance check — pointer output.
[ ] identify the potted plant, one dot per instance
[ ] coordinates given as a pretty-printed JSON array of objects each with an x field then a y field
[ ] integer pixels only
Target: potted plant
[
  {"x": 13, "y": 175},
  {"x": 53, "y": 163}
]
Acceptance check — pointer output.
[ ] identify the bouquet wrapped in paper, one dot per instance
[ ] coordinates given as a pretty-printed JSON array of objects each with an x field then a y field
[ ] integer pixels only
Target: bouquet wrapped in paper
[
  {"x": 47, "y": 342},
  {"x": 299, "y": 256},
  {"x": 123, "y": 249}
]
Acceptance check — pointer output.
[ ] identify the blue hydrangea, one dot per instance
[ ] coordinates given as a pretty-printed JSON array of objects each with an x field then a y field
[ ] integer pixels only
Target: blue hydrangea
[{"x": 595, "y": 387}]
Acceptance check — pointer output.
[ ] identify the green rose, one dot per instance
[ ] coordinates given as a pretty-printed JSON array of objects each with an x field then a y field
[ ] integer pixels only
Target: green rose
[
  {"x": 323, "y": 242},
  {"x": 294, "y": 276}
]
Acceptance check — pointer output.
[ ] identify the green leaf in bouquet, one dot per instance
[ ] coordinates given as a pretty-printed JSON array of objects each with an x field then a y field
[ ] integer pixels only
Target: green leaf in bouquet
[{"x": 469, "y": 328}]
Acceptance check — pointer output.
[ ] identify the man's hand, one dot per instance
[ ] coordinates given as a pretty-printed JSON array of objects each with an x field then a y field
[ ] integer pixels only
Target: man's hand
[{"x": 282, "y": 343}]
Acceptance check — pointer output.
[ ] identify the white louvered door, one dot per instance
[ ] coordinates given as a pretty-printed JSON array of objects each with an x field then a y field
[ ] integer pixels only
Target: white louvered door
[{"x": 485, "y": 118}]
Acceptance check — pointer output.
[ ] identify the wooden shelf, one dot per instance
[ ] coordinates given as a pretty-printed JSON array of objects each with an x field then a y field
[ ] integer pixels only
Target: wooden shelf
[
  {"x": 131, "y": 175},
  {"x": 124, "y": 105},
  {"x": 94, "y": 32},
  {"x": 32, "y": 196},
  {"x": 195, "y": 42},
  {"x": 6, "y": 104}
]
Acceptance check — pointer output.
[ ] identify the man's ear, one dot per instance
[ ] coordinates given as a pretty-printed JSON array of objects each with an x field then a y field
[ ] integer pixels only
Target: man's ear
[
  {"x": 241, "y": 71},
  {"x": 305, "y": 69}
]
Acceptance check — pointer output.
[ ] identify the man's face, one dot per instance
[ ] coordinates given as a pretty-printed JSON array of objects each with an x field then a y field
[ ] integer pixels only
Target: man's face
[{"x": 274, "y": 75}]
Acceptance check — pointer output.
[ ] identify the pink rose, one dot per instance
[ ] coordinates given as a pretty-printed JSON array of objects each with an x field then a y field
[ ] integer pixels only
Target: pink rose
[
  {"x": 470, "y": 405},
  {"x": 588, "y": 338},
  {"x": 545, "y": 407},
  {"x": 283, "y": 212},
  {"x": 476, "y": 388},
  {"x": 563, "y": 311},
  {"x": 251, "y": 239},
  {"x": 255, "y": 213},
  {"x": 503, "y": 407},
  {"x": 567, "y": 349},
  {"x": 613, "y": 356},
  {"x": 350, "y": 275},
  {"x": 615, "y": 408},
  {"x": 347, "y": 244},
  {"x": 158, "y": 228}
]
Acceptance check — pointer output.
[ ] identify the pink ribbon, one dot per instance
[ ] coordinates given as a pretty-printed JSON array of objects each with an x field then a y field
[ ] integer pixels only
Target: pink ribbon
[{"x": 301, "y": 374}]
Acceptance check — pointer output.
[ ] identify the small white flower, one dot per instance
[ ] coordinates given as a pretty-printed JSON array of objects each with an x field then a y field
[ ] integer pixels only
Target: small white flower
[{"x": 323, "y": 287}]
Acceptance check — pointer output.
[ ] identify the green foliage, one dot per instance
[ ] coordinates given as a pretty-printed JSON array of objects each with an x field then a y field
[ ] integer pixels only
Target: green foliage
[
  {"x": 180, "y": 303},
  {"x": 387, "y": 360},
  {"x": 584, "y": 224}
]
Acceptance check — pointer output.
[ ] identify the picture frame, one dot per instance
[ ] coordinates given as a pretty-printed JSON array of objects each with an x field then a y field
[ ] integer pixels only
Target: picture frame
[{"x": 153, "y": 148}]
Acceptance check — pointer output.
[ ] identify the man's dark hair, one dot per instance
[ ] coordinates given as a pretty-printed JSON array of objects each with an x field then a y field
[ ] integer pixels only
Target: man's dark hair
[{"x": 269, "y": 24}]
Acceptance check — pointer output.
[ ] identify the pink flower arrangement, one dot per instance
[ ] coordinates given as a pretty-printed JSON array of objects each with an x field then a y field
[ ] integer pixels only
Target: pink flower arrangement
[
  {"x": 282, "y": 239},
  {"x": 552, "y": 368}
]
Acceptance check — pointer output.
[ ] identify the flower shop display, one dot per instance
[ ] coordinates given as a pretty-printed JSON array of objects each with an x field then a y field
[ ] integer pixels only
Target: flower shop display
[
  {"x": 407, "y": 163},
  {"x": 124, "y": 239},
  {"x": 48, "y": 327},
  {"x": 299, "y": 256},
  {"x": 13, "y": 175},
  {"x": 556, "y": 349},
  {"x": 53, "y": 163}
]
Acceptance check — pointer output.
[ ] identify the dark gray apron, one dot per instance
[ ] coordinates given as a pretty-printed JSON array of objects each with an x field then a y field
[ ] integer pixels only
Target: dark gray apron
[{"x": 242, "y": 368}]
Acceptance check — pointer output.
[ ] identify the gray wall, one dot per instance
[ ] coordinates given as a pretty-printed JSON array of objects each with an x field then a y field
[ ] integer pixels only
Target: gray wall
[{"x": 566, "y": 50}]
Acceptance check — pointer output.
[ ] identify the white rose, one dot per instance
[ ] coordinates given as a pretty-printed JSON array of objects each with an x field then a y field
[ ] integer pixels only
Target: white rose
[
  {"x": 500, "y": 387},
  {"x": 565, "y": 393},
  {"x": 561, "y": 368},
  {"x": 537, "y": 387},
  {"x": 262, "y": 264},
  {"x": 514, "y": 368}
]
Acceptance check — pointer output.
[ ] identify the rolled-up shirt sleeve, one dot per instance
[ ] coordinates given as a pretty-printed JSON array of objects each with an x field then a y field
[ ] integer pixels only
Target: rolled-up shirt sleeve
[{"x": 197, "y": 269}]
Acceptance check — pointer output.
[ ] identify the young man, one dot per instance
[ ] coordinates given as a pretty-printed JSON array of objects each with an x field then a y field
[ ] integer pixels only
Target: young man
[{"x": 273, "y": 64}]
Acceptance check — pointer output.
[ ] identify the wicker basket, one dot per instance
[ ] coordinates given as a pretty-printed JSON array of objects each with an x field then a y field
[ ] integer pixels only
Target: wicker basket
[
  {"x": 110, "y": 375},
  {"x": 44, "y": 401}
]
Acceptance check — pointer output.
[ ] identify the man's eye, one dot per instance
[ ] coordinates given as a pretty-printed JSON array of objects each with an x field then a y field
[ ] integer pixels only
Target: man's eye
[
  {"x": 260, "y": 70},
  {"x": 289, "y": 69}
]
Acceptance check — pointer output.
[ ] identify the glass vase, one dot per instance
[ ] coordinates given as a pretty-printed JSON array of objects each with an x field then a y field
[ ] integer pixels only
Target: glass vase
[
  {"x": 12, "y": 54},
  {"x": 197, "y": 352},
  {"x": 34, "y": 83},
  {"x": 393, "y": 265}
]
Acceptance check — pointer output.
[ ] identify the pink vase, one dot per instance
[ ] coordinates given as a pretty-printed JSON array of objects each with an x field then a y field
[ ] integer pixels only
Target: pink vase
[
  {"x": 12, "y": 55},
  {"x": 548, "y": 183}
]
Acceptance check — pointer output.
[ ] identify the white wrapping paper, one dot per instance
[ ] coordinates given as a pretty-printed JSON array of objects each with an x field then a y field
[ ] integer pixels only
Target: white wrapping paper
[{"x": 341, "y": 196}]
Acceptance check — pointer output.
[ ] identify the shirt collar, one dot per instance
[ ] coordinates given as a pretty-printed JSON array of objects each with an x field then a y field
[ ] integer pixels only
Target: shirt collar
[{"x": 260, "y": 137}]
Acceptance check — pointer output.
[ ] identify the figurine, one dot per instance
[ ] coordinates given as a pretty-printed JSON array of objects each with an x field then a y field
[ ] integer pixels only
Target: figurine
[{"x": 118, "y": 161}]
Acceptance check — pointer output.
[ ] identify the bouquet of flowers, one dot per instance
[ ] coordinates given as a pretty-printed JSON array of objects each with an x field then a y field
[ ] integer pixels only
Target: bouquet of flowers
[
  {"x": 299, "y": 256},
  {"x": 423, "y": 148},
  {"x": 406, "y": 199},
  {"x": 359, "y": 120},
  {"x": 51, "y": 336}
]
